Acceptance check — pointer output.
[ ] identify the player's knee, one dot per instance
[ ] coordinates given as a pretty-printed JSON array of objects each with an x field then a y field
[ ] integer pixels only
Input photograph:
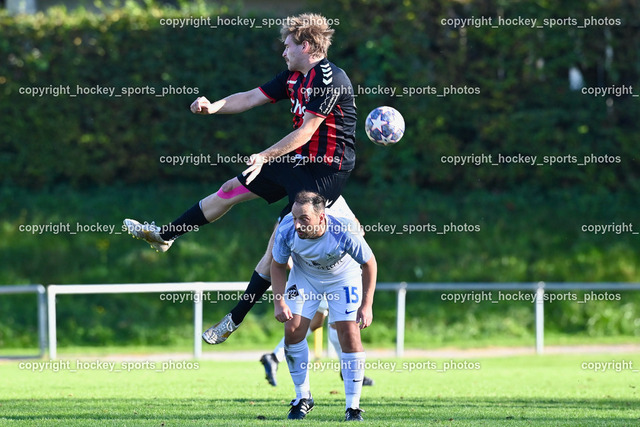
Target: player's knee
[
  {"x": 349, "y": 335},
  {"x": 231, "y": 190},
  {"x": 264, "y": 266},
  {"x": 228, "y": 186},
  {"x": 292, "y": 334},
  {"x": 352, "y": 346}
]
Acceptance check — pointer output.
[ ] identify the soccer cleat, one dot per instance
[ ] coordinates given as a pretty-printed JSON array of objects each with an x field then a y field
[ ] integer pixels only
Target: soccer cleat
[
  {"x": 353, "y": 414},
  {"x": 218, "y": 333},
  {"x": 299, "y": 411},
  {"x": 148, "y": 232},
  {"x": 270, "y": 364}
]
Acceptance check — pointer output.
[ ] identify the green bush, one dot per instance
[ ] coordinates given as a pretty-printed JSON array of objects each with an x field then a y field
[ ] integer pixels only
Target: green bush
[
  {"x": 523, "y": 104},
  {"x": 96, "y": 158}
]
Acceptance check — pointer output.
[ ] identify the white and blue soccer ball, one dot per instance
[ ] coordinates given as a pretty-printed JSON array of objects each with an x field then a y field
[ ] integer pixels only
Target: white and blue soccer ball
[{"x": 384, "y": 126}]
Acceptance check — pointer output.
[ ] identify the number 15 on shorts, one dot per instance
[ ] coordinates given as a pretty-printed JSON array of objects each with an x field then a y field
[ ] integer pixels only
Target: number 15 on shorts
[{"x": 351, "y": 293}]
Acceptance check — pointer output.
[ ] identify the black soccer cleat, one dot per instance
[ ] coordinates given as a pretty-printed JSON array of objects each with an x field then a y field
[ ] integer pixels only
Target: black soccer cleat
[
  {"x": 353, "y": 414},
  {"x": 299, "y": 411},
  {"x": 270, "y": 364}
]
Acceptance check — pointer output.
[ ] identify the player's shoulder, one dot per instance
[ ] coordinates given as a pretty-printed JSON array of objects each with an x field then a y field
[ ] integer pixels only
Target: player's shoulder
[
  {"x": 330, "y": 75},
  {"x": 286, "y": 221},
  {"x": 286, "y": 77},
  {"x": 341, "y": 227},
  {"x": 334, "y": 68},
  {"x": 286, "y": 228}
]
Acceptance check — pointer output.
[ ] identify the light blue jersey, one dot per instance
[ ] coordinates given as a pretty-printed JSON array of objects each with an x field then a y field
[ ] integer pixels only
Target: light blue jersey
[{"x": 338, "y": 252}]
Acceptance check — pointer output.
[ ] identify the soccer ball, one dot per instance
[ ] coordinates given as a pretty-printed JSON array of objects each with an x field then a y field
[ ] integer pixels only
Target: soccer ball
[{"x": 384, "y": 126}]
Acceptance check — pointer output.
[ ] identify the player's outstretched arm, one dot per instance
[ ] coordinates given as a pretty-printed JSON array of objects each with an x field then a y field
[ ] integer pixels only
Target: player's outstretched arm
[
  {"x": 278, "y": 283},
  {"x": 369, "y": 274},
  {"x": 295, "y": 139},
  {"x": 232, "y": 104},
  {"x": 289, "y": 143}
]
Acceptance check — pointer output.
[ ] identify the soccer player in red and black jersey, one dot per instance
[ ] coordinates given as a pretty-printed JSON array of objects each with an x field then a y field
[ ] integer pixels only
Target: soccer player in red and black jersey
[{"x": 318, "y": 155}]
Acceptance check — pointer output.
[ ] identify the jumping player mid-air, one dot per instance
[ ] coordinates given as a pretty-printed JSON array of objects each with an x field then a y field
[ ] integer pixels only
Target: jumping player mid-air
[
  {"x": 331, "y": 260},
  {"x": 318, "y": 155}
]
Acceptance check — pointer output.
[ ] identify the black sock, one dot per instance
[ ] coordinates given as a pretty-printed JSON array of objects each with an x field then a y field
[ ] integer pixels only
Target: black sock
[
  {"x": 257, "y": 287},
  {"x": 188, "y": 221}
]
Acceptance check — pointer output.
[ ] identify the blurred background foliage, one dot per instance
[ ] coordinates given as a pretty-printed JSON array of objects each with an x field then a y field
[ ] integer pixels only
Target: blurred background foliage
[{"x": 524, "y": 104}]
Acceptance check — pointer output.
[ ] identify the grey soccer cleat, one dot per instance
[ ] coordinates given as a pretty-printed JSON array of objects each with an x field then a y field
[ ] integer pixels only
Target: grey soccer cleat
[
  {"x": 149, "y": 233},
  {"x": 218, "y": 333}
]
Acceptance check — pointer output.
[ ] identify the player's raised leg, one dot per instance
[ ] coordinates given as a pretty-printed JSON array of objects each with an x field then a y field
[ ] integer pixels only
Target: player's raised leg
[
  {"x": 258, "y": 285},
  {"x": 204, "y": 212}
]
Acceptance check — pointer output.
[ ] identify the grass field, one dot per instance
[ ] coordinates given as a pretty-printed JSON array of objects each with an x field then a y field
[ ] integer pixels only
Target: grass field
[{"x": 527, "y": 390}]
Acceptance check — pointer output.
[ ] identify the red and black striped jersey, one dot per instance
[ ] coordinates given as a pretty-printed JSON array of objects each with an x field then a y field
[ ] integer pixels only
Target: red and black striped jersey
[{"x": 325, "y": 91}]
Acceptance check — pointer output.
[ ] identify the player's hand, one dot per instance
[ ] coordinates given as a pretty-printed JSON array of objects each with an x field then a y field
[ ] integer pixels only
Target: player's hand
[
  {"x": 255, "y": 166},
  {"x": 282, "y": 312},
  {"x": 200, "y": 106},
  {"x": 364, "y": 317}
]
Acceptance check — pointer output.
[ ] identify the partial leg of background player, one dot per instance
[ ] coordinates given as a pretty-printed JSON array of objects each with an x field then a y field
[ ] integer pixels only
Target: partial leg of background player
[
  {"x": 204, "y": 212},
  {"x": 258, "y": 285}
]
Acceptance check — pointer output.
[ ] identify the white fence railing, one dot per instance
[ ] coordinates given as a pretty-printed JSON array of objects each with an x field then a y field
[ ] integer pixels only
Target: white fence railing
[
  {"x": 40, "y": 291},
  {"x": 198, "y": 288},
  {"x": 535, "y": 290}
]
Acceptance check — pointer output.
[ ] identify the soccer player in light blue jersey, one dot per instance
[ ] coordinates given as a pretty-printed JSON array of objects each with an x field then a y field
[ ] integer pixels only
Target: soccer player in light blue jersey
[{"x": 331, "y": 260}]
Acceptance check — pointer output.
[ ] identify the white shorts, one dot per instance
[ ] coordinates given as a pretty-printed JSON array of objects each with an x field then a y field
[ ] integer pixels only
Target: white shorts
[
  {"x": 343, "y": 296},
  {"x": 341, "y": 209}
]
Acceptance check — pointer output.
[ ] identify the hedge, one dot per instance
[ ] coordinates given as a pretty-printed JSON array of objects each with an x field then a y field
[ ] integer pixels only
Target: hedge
[{"x": 520, "y": 100}]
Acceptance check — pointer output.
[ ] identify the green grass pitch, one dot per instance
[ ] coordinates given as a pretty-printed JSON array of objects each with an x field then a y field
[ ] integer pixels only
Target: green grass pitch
[{"x": 548, "y": 390}]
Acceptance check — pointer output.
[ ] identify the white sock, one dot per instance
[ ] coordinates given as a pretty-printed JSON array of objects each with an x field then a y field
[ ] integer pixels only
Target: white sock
[
  {"x": 333, "y": 337},
  {"x": 279, "y": 350},
  {"x": 353, "y": 373},
  {"x": 298, "y": 360}
]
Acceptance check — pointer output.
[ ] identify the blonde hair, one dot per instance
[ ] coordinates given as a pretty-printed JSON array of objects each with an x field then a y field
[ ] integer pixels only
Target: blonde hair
[{"x": 309, "y": 27}]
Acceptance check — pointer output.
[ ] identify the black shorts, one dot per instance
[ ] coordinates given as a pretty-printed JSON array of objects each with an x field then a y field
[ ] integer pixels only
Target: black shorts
[{"x": 287, "y": 177}]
